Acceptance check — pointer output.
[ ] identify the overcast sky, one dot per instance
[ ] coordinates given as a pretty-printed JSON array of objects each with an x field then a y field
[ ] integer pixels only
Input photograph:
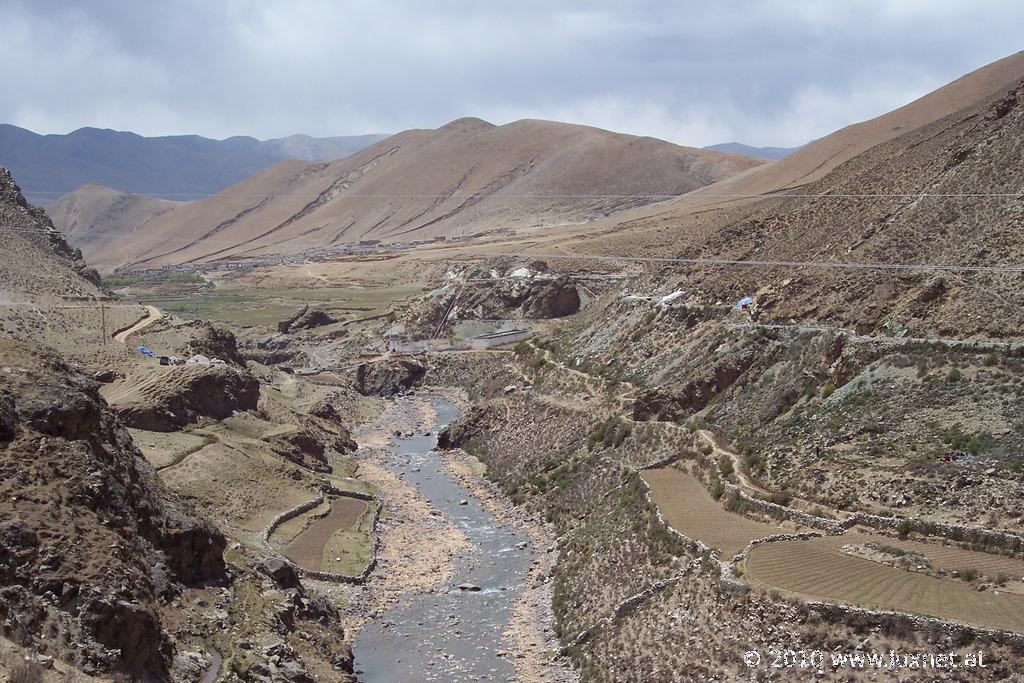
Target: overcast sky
[{"x": 776, "y": 72}]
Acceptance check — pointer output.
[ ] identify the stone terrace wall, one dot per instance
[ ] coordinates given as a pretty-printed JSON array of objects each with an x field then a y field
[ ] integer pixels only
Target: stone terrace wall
[{"x": 325, "y": 491}]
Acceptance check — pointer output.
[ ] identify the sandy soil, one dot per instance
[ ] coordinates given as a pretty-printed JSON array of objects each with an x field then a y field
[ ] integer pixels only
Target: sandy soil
[{"x": 531, "y": 633}]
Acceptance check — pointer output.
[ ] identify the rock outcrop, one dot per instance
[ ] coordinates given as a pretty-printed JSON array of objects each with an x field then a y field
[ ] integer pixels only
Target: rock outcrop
[
  {"x": 306, "y": 318},
  {"x": 531, "y": 298},
  {"x": 184, "y": 394},
  {"x": 389, "y": 377},
  {"x": 308, "y": 449},
  {"x": 212, "y": 341},
  {"x": 90, "y": 541}
]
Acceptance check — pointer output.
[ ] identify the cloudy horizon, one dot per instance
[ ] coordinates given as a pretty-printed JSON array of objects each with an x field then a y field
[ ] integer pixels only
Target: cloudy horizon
[{"x": 775, "y": 73}]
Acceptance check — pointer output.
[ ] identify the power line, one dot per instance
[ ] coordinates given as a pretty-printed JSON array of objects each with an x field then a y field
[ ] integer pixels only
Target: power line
[{"x": 693, "y": 194}]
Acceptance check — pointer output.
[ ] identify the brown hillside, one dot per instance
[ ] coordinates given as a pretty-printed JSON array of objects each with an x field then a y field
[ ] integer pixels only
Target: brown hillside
[
  {"x": 813, "y": 161},
  {"x": 463, "y": 178},
  {"x": 93, "y": 215},
  {"x": 946, "y": 194},
  {"x": 35, "y": 260},
  {"x": 661, "y": 226}
]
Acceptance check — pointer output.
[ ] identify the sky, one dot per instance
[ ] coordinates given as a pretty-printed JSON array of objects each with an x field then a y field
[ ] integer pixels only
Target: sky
[{"x": 766, "y": 73}]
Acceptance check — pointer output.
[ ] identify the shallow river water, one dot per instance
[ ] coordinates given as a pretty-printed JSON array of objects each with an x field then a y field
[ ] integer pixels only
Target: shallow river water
[{"x": 450, "y": 634}]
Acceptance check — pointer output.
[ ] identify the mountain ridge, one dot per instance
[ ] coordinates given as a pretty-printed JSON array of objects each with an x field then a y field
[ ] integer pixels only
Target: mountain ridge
[
  {"x": 461, "y": 178},
  {"x": 168, "y": 167},
  {"x": 773, "y": 153}
]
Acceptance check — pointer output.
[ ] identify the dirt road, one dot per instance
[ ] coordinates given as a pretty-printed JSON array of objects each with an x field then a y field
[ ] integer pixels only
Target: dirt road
[{"x": 152, "y": 315}]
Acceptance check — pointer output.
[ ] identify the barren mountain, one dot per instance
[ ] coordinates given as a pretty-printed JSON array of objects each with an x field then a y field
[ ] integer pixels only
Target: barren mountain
[
  {"x": 93, "y": 215},
  {"x": 811, "y": 162},
  {"x": 175, "y": 167},
  {"x": 667, "y": 228},
  {"x": 946, "y": 197},
  {"x": 466, "y": 177}
]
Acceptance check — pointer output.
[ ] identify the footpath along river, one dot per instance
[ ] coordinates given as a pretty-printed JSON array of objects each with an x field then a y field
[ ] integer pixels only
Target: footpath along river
[{"x": 450, "y": 634}]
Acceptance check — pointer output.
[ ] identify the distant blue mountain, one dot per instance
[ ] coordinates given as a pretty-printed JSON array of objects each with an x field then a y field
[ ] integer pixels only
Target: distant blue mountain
[
  {"x": 175, "y": 167},
  {"x": 762, "y": 152}
]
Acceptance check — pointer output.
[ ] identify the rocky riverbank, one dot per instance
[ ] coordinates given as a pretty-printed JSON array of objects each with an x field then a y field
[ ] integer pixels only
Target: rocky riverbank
[{"x": 530, "y": 636}]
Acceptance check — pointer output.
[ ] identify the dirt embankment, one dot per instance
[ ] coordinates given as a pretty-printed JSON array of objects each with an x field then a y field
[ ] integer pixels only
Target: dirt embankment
[{"x": 166, "y": 398}]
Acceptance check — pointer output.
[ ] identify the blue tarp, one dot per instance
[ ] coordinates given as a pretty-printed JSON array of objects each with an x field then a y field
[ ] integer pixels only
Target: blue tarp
[
  {"x": 146, "y": 352},
  {"x": 745, "y": 302}
]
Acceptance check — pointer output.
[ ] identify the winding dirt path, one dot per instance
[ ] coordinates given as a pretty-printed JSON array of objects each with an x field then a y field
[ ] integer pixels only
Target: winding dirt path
[
  {"x": 152, "y": 315},
  {"x": 744, "y": 480}
]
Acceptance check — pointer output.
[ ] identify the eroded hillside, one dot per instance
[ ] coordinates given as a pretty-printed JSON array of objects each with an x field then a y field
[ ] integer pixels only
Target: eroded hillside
[{"x": 464, "y": 178}]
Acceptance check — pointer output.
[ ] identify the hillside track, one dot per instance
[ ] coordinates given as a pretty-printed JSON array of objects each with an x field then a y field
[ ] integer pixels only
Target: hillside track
[{"x": 152, "y": 315}]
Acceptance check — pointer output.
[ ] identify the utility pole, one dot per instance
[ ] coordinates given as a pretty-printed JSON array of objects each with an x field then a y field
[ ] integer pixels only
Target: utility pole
[{"x": 103, "y": 322}]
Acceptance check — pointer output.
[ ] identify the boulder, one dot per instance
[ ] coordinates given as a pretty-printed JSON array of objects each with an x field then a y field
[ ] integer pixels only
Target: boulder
[
  {"x": 212, "y": 341},
  {"x": 305, "y": 318},
  {"x": 107, "y": 376},
  {"x": 282, "y": 572}
]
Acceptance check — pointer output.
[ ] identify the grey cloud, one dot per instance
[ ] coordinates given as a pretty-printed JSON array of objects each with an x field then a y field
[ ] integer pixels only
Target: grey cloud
[{"x": 776, "y": 72}]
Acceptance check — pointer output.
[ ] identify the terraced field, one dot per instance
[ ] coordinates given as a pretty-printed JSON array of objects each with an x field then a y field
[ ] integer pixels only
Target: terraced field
[
  {"x": 816, "y": 568},
  {"x": 309, "y": 548},
  {"x": 951, "y": 558},
  {"x": 689, "y": 509}
]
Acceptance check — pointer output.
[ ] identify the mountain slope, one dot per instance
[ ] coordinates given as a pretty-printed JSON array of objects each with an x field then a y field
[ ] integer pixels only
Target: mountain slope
[
  {"x": 947, "y": 194},
  {"x": 664, "y": 228},
  {"x": 466, "y": 177},
  {"x": 173, "y": 167},
  {"x": 93, "y": 215},
  {"x": 82, "y": 516},
  {"x": 35, "y": 261},
  {"x": 812, "y": 161}
]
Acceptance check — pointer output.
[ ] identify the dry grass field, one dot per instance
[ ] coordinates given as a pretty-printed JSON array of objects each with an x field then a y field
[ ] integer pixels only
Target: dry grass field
[
  {"x": 165, "y": 449},
  {"x": 242, "y": 485},
  {"x": 318, "y": 545},
  {"x": 816, "y": 568},
  {"x": 264, "y": 307},
  {"x": 689, "y": 508}
]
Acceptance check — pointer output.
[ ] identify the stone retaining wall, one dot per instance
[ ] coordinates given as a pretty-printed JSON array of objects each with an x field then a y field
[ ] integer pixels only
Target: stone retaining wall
[
  {"x": 781, "y": 511},
  {"x": 325, "y": 491},
  {"x": 836, "y": 612},
  {"x": 833, "y": 611},
  {"x": 951, "y": 532}
]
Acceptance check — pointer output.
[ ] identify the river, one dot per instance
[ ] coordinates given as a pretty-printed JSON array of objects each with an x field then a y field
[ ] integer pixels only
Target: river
[{"x": 449, "y": 634}]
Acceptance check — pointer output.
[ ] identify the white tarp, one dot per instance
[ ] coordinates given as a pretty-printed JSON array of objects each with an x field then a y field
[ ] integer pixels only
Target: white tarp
[{"x": 669, "y": 298}]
